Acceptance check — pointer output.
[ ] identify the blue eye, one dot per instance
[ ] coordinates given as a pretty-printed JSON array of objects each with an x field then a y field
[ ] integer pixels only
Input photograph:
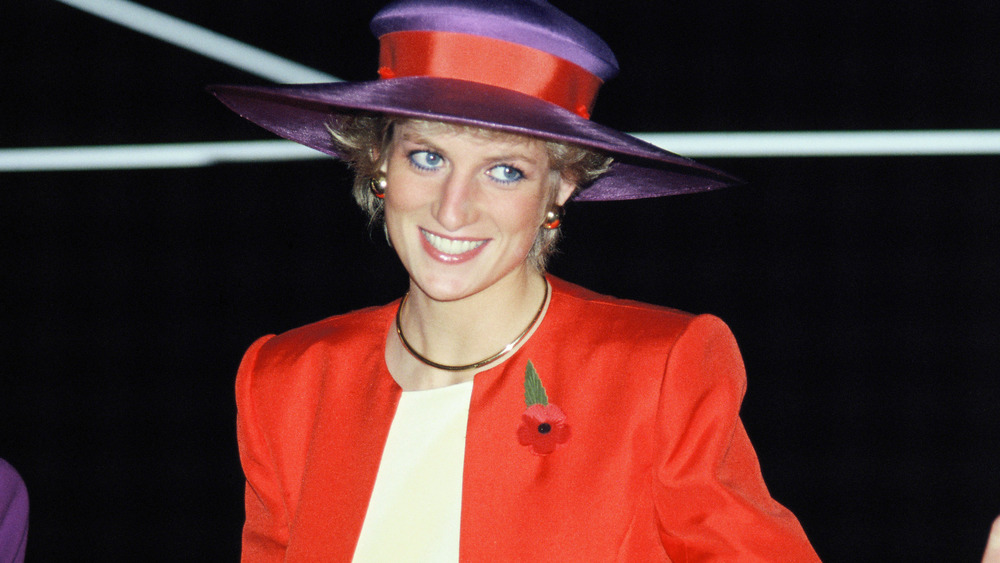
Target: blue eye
[
  {"x": 426, "y": 160},
  {"x": 504, "y": 173}
]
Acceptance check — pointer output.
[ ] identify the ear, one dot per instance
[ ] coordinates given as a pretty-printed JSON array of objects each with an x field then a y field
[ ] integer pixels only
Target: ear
[
  {"x": 375, "y": 153},
  {"x": 564, "y": 191}
]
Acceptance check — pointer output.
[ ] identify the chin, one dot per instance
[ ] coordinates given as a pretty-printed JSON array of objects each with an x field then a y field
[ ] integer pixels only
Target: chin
[{"x": 445, "y": 287}]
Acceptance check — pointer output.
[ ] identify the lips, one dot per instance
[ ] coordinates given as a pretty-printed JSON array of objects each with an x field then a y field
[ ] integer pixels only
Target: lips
[{"x": 451, "y": 250}]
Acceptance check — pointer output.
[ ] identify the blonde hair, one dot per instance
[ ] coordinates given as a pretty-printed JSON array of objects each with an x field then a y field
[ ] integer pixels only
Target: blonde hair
[{"x": 364, "y": 140}]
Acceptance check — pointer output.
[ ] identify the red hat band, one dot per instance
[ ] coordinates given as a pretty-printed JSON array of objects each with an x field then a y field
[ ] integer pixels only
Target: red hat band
[{"x": 489, "y": 61}]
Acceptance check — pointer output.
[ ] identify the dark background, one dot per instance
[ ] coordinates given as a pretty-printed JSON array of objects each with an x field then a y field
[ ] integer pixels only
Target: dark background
[{"x": 862, "y": 290}]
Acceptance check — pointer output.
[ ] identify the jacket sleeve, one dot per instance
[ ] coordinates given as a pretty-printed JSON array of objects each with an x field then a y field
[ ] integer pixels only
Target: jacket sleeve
[
  {"x": 710, "y": 496},
  {"x": 265, "y": 533}
]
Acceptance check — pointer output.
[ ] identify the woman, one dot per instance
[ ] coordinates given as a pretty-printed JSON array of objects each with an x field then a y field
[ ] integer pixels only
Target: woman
[{"x": 493, "y": 413}]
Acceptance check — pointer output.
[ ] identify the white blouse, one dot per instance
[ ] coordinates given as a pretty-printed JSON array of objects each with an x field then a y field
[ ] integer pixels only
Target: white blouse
[{"x": 416, "y": 506}]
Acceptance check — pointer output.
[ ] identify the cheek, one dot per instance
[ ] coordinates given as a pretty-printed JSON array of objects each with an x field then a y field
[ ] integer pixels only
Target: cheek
[
  {"x": 402, "y": 194},
  {"x": 397, "y": 206},
  {"x": 527, "y": 217},
  {"x": 403, "y": 187}
]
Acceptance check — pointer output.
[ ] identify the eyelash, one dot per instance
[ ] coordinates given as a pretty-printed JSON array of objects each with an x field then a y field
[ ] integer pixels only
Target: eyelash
[
  {"x": 505, "y": 168},
  {"x": 413, "y": 157}
]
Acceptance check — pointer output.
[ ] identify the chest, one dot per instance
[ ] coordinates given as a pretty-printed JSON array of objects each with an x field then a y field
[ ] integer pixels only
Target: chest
[{"x": 513, "y": 501}]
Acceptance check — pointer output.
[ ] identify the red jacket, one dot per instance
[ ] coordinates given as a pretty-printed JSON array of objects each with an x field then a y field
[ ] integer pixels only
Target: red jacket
[{"x": 658, "y": 466}]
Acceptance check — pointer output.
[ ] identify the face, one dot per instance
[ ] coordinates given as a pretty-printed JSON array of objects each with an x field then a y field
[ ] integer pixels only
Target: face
[{"x": 463, "y": 208}]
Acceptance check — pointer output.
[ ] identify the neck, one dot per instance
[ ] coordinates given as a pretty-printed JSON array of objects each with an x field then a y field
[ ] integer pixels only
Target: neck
[{"x": 464, "y": 331}]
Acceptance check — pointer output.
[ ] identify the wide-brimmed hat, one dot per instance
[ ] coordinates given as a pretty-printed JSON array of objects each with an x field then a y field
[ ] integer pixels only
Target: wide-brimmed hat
[{"x": 520, "y": 66}]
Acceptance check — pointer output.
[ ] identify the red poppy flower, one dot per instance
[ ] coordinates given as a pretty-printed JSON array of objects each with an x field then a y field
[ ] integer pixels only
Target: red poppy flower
[{"x": 544, "y": 428}]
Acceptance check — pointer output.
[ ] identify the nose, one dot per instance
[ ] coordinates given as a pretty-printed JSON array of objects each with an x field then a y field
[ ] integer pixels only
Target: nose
[{"x": 455, "y": 207}]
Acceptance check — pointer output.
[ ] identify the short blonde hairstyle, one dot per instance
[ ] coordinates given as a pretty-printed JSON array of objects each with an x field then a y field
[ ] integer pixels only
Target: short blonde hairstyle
[{"x": 364, "y": 141}]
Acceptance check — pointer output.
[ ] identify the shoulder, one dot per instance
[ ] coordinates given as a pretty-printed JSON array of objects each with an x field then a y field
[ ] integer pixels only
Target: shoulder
[
  {"x": 361, "y": 328},
  {"x": 640, "y": 338},
  {"x": 633, "y": 320},
  {"x": 679, "y": 358},
  {"x": 345, "y": 341}
]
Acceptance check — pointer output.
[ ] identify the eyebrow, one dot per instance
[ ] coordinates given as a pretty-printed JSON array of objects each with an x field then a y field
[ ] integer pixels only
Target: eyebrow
[
  {"x": 515, "y": 156},
  {"x": 413, "y": 136},
  {"x": 418, "y": 139}
]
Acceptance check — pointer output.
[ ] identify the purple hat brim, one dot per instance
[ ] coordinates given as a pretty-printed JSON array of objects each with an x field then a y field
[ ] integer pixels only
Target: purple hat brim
[{"x": 302, "y": 113}]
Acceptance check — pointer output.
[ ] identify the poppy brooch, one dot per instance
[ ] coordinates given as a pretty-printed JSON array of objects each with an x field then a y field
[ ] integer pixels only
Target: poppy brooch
[{"x": 543, "y": 424}]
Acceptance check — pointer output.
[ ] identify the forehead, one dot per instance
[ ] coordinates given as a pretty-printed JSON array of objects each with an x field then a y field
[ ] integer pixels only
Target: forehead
[{"x": 411, "y": 129}]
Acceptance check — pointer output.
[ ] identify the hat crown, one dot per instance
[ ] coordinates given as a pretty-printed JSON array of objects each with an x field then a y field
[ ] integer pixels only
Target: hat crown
[
  {"x": 518, "y": 66},
  {"x": 532, "y": 23}
]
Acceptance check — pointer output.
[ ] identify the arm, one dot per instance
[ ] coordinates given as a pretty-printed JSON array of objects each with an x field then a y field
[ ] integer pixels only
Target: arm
[
  {"x": 711, "y": 499},
  {"x": 265, "y": 533}
]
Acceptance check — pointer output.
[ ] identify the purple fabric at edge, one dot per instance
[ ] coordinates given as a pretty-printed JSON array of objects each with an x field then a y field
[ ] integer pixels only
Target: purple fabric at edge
[{"x": 13, "y": 515}]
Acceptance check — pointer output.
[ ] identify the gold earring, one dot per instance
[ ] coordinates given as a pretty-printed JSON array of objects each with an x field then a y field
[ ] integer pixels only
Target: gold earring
[
  {"x": 378, "y": 184},
  {"x": 553, "y": 218}
]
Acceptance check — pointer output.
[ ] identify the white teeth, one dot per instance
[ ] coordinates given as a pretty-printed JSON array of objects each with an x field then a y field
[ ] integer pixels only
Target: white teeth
[{"x": 450, "y": 246}]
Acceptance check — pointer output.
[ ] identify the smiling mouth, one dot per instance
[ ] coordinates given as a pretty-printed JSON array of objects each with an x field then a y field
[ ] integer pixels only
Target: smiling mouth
[{"x": 450, "y": 246}]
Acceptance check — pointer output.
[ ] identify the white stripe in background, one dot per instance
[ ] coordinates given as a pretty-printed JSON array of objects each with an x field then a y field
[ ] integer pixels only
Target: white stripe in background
[
  {"x": 122, "y": 157},
  {"x": 202, "y": 41},
  {"x": 828, "y": 143},
  {"x": 695, "y": 145}
]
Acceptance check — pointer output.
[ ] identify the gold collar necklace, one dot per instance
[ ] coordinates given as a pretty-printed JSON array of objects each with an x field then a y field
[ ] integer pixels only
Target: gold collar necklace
[{"x": 473, "y": 365}]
